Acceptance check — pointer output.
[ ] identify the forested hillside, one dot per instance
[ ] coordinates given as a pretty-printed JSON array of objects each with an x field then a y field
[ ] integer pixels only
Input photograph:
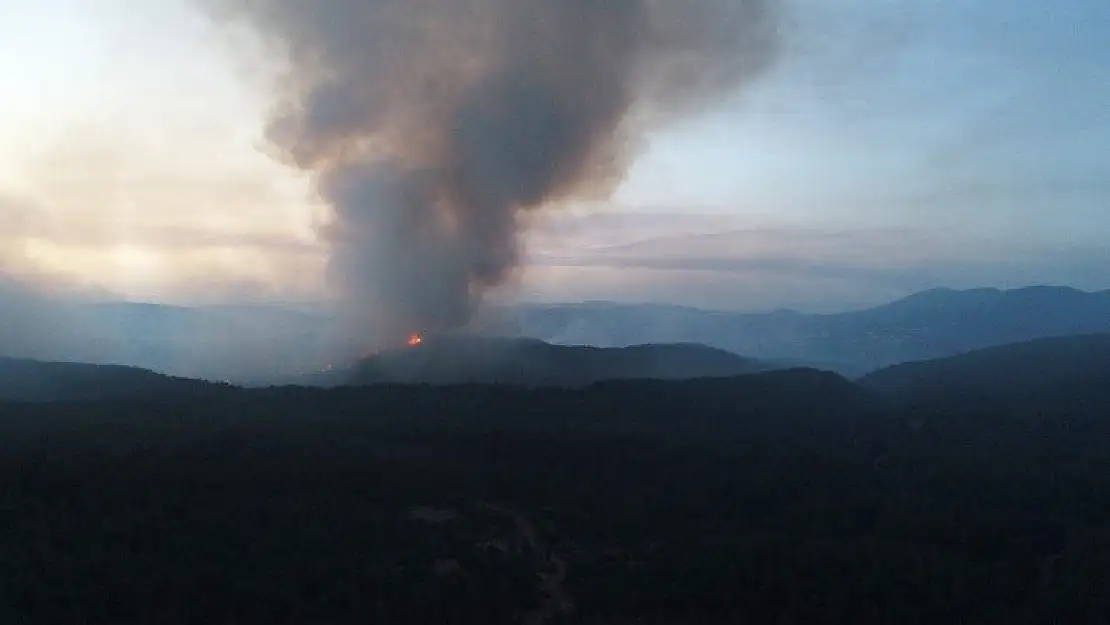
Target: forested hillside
[{"x": 784, "y": 497}]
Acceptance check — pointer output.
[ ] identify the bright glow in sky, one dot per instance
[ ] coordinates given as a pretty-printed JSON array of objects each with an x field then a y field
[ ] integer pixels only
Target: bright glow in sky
[
  {"x": 130, "y": 154},
  {"x": 897, "y": 145}
]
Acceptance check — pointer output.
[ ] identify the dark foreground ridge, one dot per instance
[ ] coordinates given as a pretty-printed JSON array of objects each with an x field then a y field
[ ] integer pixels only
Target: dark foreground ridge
[{"x": 782, "y": 497}]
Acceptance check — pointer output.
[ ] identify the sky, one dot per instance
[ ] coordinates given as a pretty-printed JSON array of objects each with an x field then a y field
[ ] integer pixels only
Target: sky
[{"x": 894, "y": 146}]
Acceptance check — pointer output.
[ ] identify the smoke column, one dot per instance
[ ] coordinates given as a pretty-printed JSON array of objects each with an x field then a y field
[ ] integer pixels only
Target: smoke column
[{"x": 434, "y": 126}]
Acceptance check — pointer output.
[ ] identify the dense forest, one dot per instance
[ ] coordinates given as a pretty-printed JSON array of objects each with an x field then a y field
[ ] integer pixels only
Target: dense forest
[{"x": 784, "y": 497}]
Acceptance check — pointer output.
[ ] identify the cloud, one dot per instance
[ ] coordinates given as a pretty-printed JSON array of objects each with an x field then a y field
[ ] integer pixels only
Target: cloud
[
  {"x": 17, "y": 218},
  {"x": 169, "y": 238}
]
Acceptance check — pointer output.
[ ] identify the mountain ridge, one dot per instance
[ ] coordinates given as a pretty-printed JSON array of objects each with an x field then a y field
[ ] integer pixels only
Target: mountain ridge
[
  {"x": 529, "y": 361},
  {"x": 1078, "y": 365},
  {"x": 924, "y": 325},
  {"x": 257, "y": 344},
  {"x": 26, "y": 380}
]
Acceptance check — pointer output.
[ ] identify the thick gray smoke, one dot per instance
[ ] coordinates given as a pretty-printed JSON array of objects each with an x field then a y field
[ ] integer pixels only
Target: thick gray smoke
[{"x": 435, "y": 125}]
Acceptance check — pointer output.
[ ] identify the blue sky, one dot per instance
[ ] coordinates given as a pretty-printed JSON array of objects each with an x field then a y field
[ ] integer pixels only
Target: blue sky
[
  {"x": 980, "y": 130},
  {"x": 896, "y": 145},
  {"x": 937, "y": 111}
]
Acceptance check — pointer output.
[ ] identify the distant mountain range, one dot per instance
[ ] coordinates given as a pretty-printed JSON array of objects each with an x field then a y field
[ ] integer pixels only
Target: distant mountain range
[
  {"x": 260, "y": 344},
  {"x": 927, "y": 325}
]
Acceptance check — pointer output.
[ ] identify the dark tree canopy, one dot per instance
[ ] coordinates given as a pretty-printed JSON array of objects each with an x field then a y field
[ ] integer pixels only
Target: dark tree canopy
[{"x": 784, "y": 497}]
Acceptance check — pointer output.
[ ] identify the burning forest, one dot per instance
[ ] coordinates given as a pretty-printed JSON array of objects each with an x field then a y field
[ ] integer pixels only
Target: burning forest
[{"x": 434, "y": 127}]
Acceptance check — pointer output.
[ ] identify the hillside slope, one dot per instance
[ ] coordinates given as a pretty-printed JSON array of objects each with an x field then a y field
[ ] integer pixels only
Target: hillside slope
[
  {"x": 460, "y": 360},
  {"x": 35, "y": 381},
  {"x": 1061, "y": 365}
]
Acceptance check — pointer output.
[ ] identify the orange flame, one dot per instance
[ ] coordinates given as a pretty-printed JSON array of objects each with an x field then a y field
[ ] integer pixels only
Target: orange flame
[{"x": 415, "y": 339}]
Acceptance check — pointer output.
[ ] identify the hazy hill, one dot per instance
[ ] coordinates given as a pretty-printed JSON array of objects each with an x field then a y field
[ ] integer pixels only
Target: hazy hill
[
  {"x": 34, "y": 381},
  {"x": 1067, "y": 367},
  {"x": 240, "y": 343},
  {"x": 459, "y": 360}
]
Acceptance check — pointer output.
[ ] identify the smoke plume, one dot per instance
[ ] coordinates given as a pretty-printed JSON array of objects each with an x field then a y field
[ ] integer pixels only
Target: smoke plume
[{"x": 435, "y": 126}]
